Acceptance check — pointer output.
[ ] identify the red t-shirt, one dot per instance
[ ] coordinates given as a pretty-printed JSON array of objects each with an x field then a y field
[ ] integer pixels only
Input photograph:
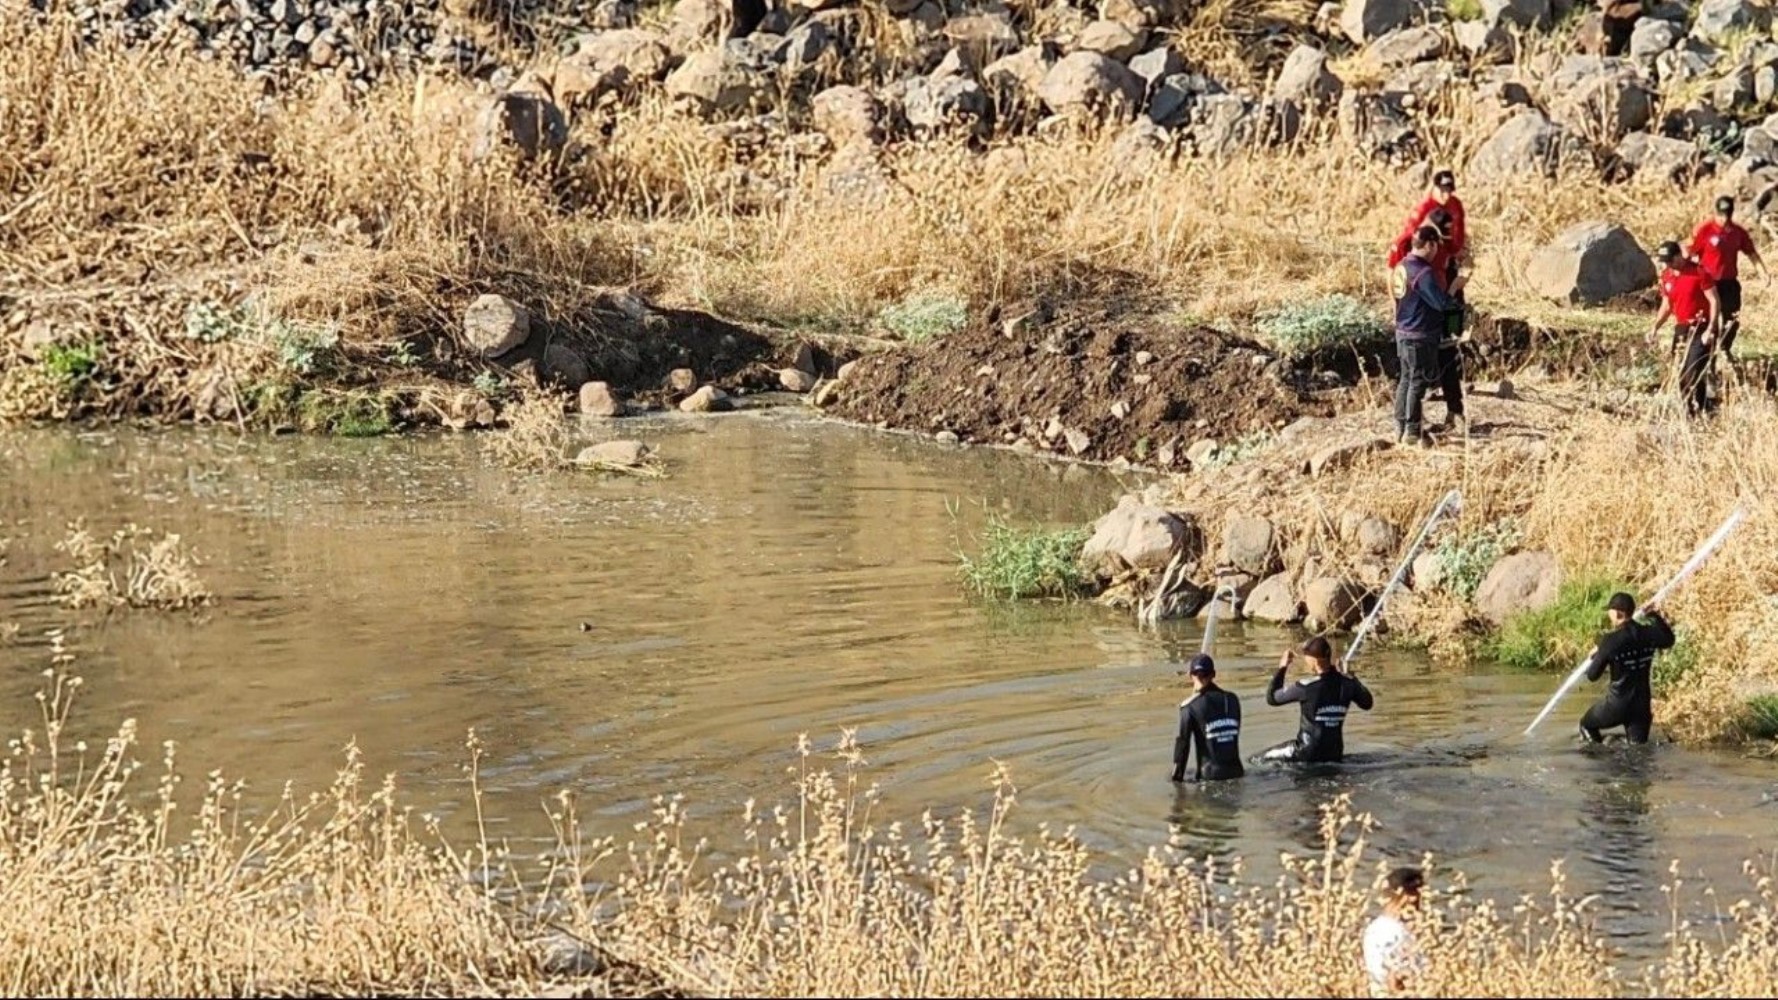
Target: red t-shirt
[
  {"x": 1718, "y": 248},
  {"x": 1684, "y": 287},
  {"x": 1404, "y": 243}
]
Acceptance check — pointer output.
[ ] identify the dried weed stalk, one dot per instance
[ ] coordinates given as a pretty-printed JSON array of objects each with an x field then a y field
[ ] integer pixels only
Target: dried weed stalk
[{"x": 132, "y": 568}]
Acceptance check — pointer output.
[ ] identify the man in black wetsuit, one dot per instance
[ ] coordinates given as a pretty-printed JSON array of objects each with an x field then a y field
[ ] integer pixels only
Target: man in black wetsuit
[
  {"x": 1211, "y": 719},
  {"x": 1325, "y": 699},
  {"x": 1629, "y": 650}
]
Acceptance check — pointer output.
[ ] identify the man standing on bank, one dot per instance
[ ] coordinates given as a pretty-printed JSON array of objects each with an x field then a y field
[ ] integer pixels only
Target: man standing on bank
[
  {"x": 1717, "y": 246},
  {"x": 1325, "y": 697},
  {"x": 1629, "y": 651},
  {"x": 1211, "y": 720},
  {"x": 1422, "y": 309},
  {"x": 1689, "y": 296}
]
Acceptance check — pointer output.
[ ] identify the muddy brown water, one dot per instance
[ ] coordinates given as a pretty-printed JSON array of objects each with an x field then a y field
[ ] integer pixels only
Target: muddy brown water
[{"x": 789, "y": 577}]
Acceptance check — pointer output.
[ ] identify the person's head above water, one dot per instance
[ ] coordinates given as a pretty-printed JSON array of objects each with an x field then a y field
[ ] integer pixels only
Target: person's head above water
[
  {"x": 1202, "y": 670},
  {"x": 1401, "y": 889},
  {"x": 1620, "y": 607},
  {"x": 1319, "y": 652}
]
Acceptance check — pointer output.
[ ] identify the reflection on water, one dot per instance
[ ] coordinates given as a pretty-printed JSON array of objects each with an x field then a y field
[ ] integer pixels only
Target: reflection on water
[{"x": 625, "y": 638}]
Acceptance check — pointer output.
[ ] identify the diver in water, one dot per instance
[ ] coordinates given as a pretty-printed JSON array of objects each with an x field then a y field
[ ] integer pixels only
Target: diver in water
[
  {"x": 1211, "y": 719},
  {"x": 1629, "y": 650},
  {"x": 1325, "y": 698}
]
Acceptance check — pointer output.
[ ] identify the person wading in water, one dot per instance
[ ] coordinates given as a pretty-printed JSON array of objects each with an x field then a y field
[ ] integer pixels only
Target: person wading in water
[
  {"x": 1325, "y": 698},
  {"x": 1628, "y": 650},
  {"x": 1211, "y": 720}
]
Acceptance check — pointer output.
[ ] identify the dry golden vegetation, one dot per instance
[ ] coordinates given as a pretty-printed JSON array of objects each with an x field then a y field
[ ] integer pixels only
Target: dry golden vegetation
[
  {"x": 125, "y": 882},
  {"x": 132, "y": 568}
]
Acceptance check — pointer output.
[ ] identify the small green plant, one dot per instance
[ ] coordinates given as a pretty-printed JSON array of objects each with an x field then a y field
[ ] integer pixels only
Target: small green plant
[
  {"x": 1335, "y": 321},
  {"x": 1025, "y": 562},
  {"x": 346, "y": 414},
  {"x": 490, "y": 385},
  {"x": 302, "y": 348},
  {"x": 924, "y": 316},
  {"x": 1558, "y": 636},
  {"x": 1241, "y": 449},
  {"x": 306, "y": 350},
  {"x": 1759, "y": 717},
  {"x": 1673, "y": 666},
  {"x": 1464, "y": 10},
  {"x": 1464, "y": 559},
  {"x": 71, "y": 363},
  {"x": 401, "y": 355}
]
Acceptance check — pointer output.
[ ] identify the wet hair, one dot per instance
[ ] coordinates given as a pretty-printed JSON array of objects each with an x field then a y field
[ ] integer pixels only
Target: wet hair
[
  {"x": 1318, "y": 647},
  {"x": 1426, "y": 236},
  {"x": 1406, "y": 881}
]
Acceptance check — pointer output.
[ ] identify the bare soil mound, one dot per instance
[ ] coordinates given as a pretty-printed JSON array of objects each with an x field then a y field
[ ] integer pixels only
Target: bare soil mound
[{"x": 1088, "y": 383}]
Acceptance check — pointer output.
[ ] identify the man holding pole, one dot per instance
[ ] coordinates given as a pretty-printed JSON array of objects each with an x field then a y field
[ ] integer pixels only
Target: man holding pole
[
  {"x": 1211, "y": 720},
  {"x": 1629, "y": 650},
  {"x": 1325, "y": 697}
]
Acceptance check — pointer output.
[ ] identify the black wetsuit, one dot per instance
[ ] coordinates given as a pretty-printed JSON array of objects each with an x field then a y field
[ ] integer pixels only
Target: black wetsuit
[
  {"x": 1325, "y": 700},
  {"x": 1629, "y": 650},
  {"x": 1212, "y": 720}
]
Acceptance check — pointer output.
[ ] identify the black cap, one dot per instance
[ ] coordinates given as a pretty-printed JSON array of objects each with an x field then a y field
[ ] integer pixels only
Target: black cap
[
  {"x": 1622, "y": 603},
  {"x": 1200, "y": 665},
  {"x": 1444, "y": 180},
  {"x": 1318, "y": 647},
  {"x": 1725, "y": 205},
  {"x": 1667, "y": 252}
]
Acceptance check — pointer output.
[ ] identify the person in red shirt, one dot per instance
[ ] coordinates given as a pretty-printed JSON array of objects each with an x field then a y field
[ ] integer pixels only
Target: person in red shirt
[
  {"x": 1689, "y": 296},
  {"x": 1443, "y": 195},
  {"x": 1717, "y": 247}
]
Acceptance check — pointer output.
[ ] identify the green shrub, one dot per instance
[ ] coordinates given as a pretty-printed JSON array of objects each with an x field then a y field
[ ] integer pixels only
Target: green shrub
[
  {"x": 1025, "y": 562},
  {"x": 1465, "y": 558},
  {"x": 1557, "y": 637},
  {"x": 70, "y": 363},
  {"x": 1241, "y": 449},
  {"x": 1336, "y": 321},
  {"x": 1464, "y": 10},
  {"x": 924, "y": 316},
  {"x": 346, "y": 414},
  {"x": 1673, "y": 666},
  {"x": 489, "y": 385},
  {"x": 302, "y": 348},
  {"x": 1759, "y": 717}
]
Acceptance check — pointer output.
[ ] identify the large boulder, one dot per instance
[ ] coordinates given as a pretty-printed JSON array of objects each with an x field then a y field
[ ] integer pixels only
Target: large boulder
[
  {"x": 1379, "y": 124},
  {"x": 983, "y": 37},
  {"x": 1112, "y": 39},
  {"x": 1171, "y": 101},
  {"x": 1376, "y": 537},
  {"x": 1016, "y": 79},
  {"x": 1273, "y": 601},
  {"x": 529, "y": 123},
  {"x": 1522, "y": 582},
  {"x": 1407, "y": 46},
  {"x": 1534, "y": 14},
  {"x": 935, "y": 103},
  {"x": 1652, "y": 36},
  {"x": 1250, "y": 544},
  {"x": 1485, "y": 44},
  {"x": 598, "y": 400},
  {"x": 1332, "y": 603},
  {"x": 707, "y": 399},
  {"x": 697, "y": 21},
  {"x": 1090, "y": 82},
  {"x": 1306, "y": 79},
  {"x": 847, "y": 114},
  {"x": 563, "y": 367},
  {"x": 1647, "y": 155},
  {"x": 1427, "y": 575},
  {"x": 495, "y": 324},
  {"x": 1220, "y": 125},
  {"x": 1718, "y": 21},
  {"x": 1156, "y": 64},
  {"x": 615, "y": 454},
  {"x": 633, "y": 53},
  {"x": 1366, "y": 20},
  {"x": 1601, "y": 97},
  {"x": 1527, "y": 143},
  {"x": 717, "y": 80},
  {"x": 1134, "y": 535},
  {"x": 1590, "y": 263}
]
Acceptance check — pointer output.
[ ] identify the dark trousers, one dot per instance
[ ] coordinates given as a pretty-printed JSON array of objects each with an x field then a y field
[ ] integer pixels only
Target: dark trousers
[
  {"x": 1694, "y": 387},
  {"x": 1609, "y": 713},
  {"x": 1450, "y": 380},
  {"x": 1728, "y": 294},
  {"x": 1419, "y": 371},
  {"x": 748, "y": 14}
]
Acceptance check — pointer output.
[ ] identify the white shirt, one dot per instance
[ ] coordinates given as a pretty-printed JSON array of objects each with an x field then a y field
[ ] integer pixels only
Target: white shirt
[{"x": 1388, "y": 947}]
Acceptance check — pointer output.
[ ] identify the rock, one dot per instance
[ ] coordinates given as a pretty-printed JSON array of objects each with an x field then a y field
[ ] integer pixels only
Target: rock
[
  {"x": 1718, "y": 21},
  {"x": 1156, "y": 64},
  {"x": 1272, "y": 601},
  {"x": 1485, "y": 44},
  {"x": 681, "y": 381},
  {"x": 598, "y": 400},
  {"x": 1136, "y": 13},
  {"x": 1090, "y": 82},
  {"x": 633, "y": 53},
  {"x": 1221, "y": 125},
  {"x": 1078, "y": 440},
  {"x": 1427, "y": 574},
  {"x": 826, "y": 394},
  {"x": 1590, "y": 263},
  {"x": 1200, "y": 452},
  {"x": 847, "y": 114},
  {"x": 983, "y": 37},
  {"x": 564, "y": 955},
  {"x": 1658, "y": 156},
  {"x": 1015, "y": 79},
  {"x": 1535, "y": 14},
  {"x": 1134, "y": 535},
  {"x": 946, "y": 437},
  {"x": 1379, "y": 124},
  {"x": 708, "y": 399},
  {"x": 1601, "y": 97},
  {"x": 806, "y": 44},
  {"x": 1365, "y": 20},
  {"x": 562, "y": 366},
  {"x": 1336, "y": 457},
  {"x": 1407, "y": 46},
  {"x": 1522, "y": 582},
  {"x": 933, "y": 104},
  {"x": 495, "y": 324},
  {"x": 1425, "y": 82},
  {"x": 716, "y": 80},
  {"x": 1249, "y": 544},
  {"x": 1528, "y": 143},
  {"x": 1306, "y": 79},
  {"x": 530, "y": 123},
  {"x": 697, "y": 21},
  {"x": 621, "y": 454},
  {"x": 1377, "y": 537},
  {"x": 1112, "y": 39},
  {"x": 1651, "y": 37},
  {"x": 1331, "y": 604},
  {"x": 796, "y": 380}
]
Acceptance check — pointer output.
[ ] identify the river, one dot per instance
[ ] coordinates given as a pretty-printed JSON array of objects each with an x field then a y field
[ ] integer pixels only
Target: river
[{"x": 623, "y": 638}]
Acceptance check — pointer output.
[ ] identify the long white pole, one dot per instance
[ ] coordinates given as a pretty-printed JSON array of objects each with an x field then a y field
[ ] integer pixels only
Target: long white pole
[
  {"x": 1452, "y": 501},
  {"x": 1710, "y": 545},
  {"x": 1210, "y": 620}
]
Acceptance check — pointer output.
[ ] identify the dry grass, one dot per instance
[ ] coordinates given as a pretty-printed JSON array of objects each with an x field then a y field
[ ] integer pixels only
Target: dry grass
[
  {"x": 122, "y": 882},
  {"x": 132, "y": 568},
  {"x": 536, "y": 437}
]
